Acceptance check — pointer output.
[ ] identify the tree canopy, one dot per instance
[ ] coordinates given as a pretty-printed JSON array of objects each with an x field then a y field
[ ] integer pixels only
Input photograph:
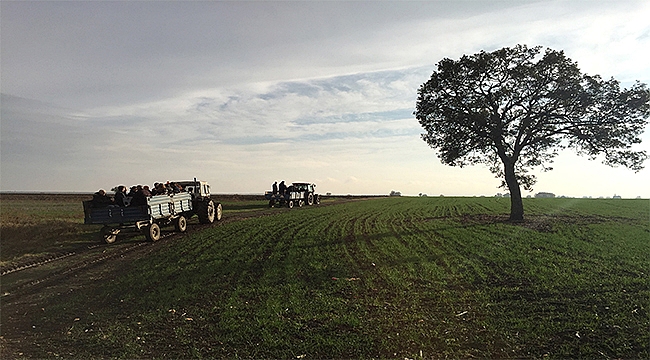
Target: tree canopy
[{"x": 515, "y": 108}]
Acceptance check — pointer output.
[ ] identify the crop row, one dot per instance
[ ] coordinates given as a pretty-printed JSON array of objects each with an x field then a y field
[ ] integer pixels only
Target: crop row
[{"x": 390, "y": 277}]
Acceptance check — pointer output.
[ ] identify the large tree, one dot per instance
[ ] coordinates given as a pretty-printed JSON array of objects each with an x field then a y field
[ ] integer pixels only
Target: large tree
[{"x": 515, "y": 108}]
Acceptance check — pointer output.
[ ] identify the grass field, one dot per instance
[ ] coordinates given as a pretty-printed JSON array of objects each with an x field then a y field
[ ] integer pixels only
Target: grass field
[
  {"x": 34, "y": 225},
  {"x": 381, "y": 278},
  {"x": 38, "y": 225}
]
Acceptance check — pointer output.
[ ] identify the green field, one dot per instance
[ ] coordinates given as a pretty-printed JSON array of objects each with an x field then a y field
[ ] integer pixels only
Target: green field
[
  {"x": 40, "y": 225},
  {"x": 380, "y": 278}
]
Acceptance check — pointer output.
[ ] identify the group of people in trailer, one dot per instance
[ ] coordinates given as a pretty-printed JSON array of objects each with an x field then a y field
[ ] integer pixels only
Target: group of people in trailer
[
  {"x": 281, "y": 189},
  {"x": 137, "y": 195}
]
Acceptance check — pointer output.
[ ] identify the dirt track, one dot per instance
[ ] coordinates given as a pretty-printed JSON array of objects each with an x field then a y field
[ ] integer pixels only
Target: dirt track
[{"x": 28, "y": 287}]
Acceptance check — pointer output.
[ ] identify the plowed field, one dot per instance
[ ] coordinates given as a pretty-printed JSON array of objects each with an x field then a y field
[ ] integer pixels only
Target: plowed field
[{"x": 375, "y": 278}]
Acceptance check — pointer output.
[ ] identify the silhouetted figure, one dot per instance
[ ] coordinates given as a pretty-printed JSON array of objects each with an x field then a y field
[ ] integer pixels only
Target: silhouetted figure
[
  {"x": 283, "y": 187},
  {"x": 120, "y": 194},
  {"x": 100, "y": 199},
  {"x": 139, "y": 198},
  {"x": 275, "y": 188},
  {"x": 145, "y": 191}
]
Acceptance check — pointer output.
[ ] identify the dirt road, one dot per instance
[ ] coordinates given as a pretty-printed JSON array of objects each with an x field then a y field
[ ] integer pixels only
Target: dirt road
[{"x": 29, "y": 288}]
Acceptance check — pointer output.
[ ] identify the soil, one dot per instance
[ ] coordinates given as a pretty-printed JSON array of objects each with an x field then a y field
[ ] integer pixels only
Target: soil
[
  {"x": 27, "y": 288},
  {"x": 26, "y": 293}
]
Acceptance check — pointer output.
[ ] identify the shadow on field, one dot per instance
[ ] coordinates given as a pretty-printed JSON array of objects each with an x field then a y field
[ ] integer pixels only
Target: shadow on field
[{"x": 21, "y": 239}]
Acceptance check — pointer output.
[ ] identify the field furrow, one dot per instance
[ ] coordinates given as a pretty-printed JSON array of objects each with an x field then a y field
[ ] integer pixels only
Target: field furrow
[{"x": 380, "y": 278}]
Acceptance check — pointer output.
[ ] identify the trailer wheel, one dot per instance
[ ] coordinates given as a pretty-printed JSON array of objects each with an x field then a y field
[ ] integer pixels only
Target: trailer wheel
[
  {"x": 317, "y": 199},
  {"x": 271, "y": 203},
  {"x": 108, "y": 235},
  {"x": 290, "y": 204},
  {"x": 152, "y": 232},
  {"x": 310, "y": 199},
  {"x": 300, "y": 203},
  {"x": 206, "y": 212},
  {"x": 181, "y": 224}
]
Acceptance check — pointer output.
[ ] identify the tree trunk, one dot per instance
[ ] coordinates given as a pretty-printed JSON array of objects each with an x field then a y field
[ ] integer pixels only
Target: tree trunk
[{"x": 516, "y": 204}]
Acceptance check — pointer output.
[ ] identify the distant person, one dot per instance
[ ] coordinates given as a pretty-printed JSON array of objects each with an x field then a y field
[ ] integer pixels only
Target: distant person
[
  {"x": 120, "y": 194},
  {"x": 145, "y": 191},
  {"x": 160, "y": 189},
  {"x": 100, "y": 199},
  {"x": 275, "y": 188},
  {"x": 139, "y": 199},
  {"x": 283, "y": 187},
  {"x": 175, "y": 188}
]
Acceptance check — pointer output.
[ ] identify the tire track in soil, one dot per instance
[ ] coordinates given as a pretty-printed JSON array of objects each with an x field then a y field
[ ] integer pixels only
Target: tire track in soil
[
  {"x": 79, "y": 268},
  {"x": 90, "y": 256}
]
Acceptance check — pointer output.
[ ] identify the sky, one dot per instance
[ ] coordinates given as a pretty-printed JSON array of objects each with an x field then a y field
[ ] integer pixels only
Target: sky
[{"x": 245, "y": 93}]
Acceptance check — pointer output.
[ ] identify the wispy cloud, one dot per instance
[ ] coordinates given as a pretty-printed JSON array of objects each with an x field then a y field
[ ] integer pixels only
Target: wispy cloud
[{"x": 241, "y": 93}]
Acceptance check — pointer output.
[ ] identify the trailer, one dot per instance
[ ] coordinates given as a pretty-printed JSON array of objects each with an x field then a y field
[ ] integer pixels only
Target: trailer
[
  {"x": 160, "y": 210},
  {"x": 297, "y": 194}
]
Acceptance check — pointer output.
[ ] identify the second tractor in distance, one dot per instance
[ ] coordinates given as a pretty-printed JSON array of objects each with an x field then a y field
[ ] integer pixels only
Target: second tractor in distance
[{"x": 297, "y": 194}]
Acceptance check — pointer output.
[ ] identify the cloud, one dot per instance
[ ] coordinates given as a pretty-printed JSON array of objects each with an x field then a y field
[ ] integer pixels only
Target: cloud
[
  {"x": 240, "y": 93},
  {"x": 80, "y": 54},
  {"x": 238, "y": 130}
]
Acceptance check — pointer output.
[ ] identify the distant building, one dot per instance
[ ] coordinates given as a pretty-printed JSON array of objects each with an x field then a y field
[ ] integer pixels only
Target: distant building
[
  {"x": 395, "y": 193},
  {"x": 616, "y": 196},
  {"x": 544, "y": 195}
]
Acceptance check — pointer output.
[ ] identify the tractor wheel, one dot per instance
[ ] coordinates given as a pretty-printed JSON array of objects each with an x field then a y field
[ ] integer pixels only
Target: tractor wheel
[
  {"x": 310, "y": 199},
  {"x": 317, "y": 199},
  {"x": 300, "y": 203},
  {"x": 108, "y": 235},
  {"x": 181, "y": 224},
  {"x": 290, "y": 204},
  {"x": 152, "y": 232},
  {"x": 218, "y": 212},
  {"x": 206, "y": 212}
]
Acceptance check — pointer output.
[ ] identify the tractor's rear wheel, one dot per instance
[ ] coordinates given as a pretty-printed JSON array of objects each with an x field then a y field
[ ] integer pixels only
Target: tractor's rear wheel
[
  {"x": 180, "y": 224},
  {"x": 206, "y": 212},
  {"x": 218, "y": 212},
  {"x": 310, "y": 199},
  {"x": 152, "y": 232}
]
